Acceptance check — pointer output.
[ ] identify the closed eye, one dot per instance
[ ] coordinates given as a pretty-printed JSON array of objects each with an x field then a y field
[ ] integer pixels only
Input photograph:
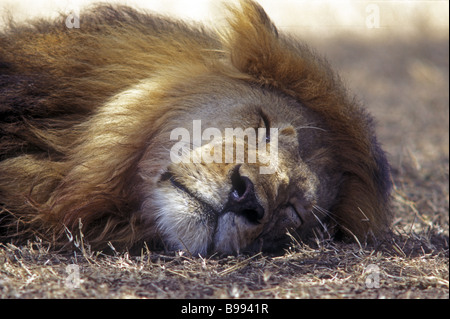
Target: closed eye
[
  {"x": 168, "y": 176},
  {"x": 266, "y": 123}
]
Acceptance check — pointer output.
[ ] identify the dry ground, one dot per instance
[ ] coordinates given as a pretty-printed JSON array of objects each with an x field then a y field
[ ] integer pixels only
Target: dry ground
[{"x": 404, "y": 82}]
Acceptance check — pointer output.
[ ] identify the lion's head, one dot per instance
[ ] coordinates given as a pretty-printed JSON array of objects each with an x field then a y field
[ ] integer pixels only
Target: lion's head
[
  {"x": 206, "y": 192},
  {"x": 155, "y": 131}
]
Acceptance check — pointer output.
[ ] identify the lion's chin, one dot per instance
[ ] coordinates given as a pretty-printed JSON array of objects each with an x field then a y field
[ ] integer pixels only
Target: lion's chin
[{"x": 234, "y": 233}]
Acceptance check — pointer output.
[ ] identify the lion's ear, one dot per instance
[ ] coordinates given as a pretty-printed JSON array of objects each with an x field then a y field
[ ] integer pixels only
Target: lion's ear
[
  {"x": 251, "y": 19},
  {"x": 256, "y": 49},
  {"x": 252, "y": 40}
]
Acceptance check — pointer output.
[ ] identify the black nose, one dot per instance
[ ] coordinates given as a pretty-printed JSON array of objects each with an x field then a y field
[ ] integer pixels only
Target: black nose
[{"x": 242, "y": 198}]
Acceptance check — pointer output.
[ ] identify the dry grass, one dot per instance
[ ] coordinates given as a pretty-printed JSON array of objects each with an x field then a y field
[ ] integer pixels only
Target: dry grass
[
  {"x": 404, "y": 82},
  {"x": 331, "y": 270}
]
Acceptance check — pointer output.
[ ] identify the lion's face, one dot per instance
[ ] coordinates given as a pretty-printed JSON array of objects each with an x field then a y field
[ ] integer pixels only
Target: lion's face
[{"x": 204, "y": 204}]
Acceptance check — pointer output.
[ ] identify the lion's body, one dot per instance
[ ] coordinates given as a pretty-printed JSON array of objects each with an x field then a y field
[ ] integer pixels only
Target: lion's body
[{"x": 86, "y": 116}]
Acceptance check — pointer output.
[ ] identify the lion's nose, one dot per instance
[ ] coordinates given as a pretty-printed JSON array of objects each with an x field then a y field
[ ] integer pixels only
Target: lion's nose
[{"x": 242, "y": 199}]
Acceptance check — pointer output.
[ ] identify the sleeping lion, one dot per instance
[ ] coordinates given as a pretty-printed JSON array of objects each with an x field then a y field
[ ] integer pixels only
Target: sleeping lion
[{"x": 134, "y": 128}]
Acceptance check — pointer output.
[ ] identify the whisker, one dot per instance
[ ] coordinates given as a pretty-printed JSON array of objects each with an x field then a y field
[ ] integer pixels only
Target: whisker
[
  {"x": 324, "y": 227},
  {"x": 326, "y": 213},
  {"x": 311, "y": 127}
]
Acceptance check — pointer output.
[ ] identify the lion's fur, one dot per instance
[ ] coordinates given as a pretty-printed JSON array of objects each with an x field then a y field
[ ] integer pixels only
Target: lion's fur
[{"x": 69, "y": 147}]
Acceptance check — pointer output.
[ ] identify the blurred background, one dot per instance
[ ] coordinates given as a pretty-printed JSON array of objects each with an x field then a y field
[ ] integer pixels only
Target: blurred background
[
  {"x": 325, "y": 17},
  {"x": 393, "y": 56}
]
